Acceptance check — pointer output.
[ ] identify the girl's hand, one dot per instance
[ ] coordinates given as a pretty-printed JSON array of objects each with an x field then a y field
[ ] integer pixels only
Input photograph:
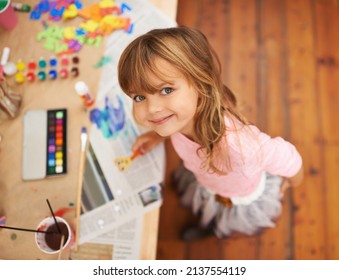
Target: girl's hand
[{"x": 147, "y": 141}]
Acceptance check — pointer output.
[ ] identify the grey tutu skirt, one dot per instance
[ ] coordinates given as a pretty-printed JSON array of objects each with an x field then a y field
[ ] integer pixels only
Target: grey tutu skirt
[{"x": 248, "y": 218}]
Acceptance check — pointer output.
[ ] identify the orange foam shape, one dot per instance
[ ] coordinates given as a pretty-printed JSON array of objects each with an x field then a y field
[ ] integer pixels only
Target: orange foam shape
[{"x": 91, "y": 12}]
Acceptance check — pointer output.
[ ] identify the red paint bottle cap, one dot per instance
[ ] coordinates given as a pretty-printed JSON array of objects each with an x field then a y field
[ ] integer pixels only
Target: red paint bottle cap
[
  {"x": 64, "y": 61},
  {"x": 32, "y": 65},
  {"x": 63, "y": 73},
  {"x": 30, "y": 76}
]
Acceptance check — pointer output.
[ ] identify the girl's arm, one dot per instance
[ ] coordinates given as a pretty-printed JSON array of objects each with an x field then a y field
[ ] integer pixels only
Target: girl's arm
[
  {"x": 147, "y": 141},
  {"x": 297, "y": 178},
  {"x": 293, "y": 181}
]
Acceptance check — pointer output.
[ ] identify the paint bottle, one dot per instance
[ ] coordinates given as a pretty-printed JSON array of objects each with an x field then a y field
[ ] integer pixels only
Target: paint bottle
[
  {"x": 53, "y": 74},
  {"x": 82, "y": 90},
  {"x": 19, "y": 7},
  {"x": 63, "y": 73}
]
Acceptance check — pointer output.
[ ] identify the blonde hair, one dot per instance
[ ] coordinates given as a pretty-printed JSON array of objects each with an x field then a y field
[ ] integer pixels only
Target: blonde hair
[{"x": 190, "y": 52}]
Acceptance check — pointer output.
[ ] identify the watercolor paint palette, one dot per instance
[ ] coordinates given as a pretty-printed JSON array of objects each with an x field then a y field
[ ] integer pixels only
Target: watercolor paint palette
[
  {"x": 56, "y": 142},
  {"x": 45, "y": 144}
]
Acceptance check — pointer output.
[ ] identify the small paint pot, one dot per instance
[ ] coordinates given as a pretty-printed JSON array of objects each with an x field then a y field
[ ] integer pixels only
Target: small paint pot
[
  {"x": 75, "y": 60},
  {"x": 64, "y": 62},
  {"x": 53, "y": 62},
  {"x": 41, "y": 75},
  {"x": 42, "y": 63},
  {"x": 75, "y": 72},
  {"x": 19, "y": 77},
  {"x": 32, "y": 65},
  {"x": 30, "y": 76},
  {"x": 53, "y": 74},
  {"x": 63, "y": 73},
  {"x": 20, "y": 65}
]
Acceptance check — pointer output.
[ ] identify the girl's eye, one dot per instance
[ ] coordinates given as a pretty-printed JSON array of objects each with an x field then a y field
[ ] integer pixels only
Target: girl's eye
[
  {"x": 167, "y": 90},
  {"x": 138, "y": 98}
]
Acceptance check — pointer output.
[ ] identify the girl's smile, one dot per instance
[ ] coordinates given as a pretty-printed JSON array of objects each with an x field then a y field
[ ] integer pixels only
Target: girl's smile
[
  {"x": 172, "y": 107},
  {"x": 161, "y": 121}
]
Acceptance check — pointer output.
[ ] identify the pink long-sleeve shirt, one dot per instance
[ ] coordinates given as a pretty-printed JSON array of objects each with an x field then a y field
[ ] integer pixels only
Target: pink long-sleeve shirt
[{"x": 251, "y": 153}]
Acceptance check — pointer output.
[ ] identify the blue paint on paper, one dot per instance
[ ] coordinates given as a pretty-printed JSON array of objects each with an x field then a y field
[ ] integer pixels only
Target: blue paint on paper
[{"x": 110, "y": 120}]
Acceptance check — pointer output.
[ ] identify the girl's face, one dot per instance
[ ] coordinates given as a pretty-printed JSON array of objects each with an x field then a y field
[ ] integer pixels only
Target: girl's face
[{"x": 171, "y": 108}]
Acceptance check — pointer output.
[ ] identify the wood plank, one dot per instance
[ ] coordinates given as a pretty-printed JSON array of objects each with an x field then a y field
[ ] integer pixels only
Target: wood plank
[
  {"x": 242, "y": 63},
  {"x": 214, "y": 23},
  {"x": 327, "y": 44},
  {"x": 205, "y": 249},
  {"x": 332, "y": 202},
  {"x": 277, "y": 243},
  {"x": 327, "y": 57},
  {"x": 93, "y": 251},
  {"x": 274, "y": 243},
  {"x": 172, "y": 249},
  {"x": 188, "y": 13},
  {"x": 241, "y": 248},
  {"x": 309, "y": 235},
  {"x": 149, "y": 235},
  {"x": 272, "y": 68}
]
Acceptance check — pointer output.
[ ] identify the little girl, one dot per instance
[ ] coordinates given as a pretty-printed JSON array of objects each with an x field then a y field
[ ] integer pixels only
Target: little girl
[{"x": 233, "y": 175}]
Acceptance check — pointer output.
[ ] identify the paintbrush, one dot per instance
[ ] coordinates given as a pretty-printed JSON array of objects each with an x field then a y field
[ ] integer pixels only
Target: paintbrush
[
  {"x": 52, "y": 212},
  {"x": 27, "y": 229},
  {"x": 122, "y": 163},
  {"x": 83, "y": 138}
]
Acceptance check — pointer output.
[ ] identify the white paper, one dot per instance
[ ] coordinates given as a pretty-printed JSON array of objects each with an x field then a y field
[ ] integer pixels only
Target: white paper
[{"x": 126, "y": 239}]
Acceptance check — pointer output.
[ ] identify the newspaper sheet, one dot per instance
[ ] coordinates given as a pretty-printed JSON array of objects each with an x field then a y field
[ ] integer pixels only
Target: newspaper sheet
[
  {"x": 114, "y": 201},
  {"x": 126, "y": 239}
]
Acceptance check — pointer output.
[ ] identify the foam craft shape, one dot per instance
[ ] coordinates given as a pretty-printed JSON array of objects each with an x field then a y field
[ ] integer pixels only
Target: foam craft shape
[
  {"x": 69, "y": 33},
  {"x": 90, "y": 25},
  {"x": 91, "y": 12},
  {"x": 70, "y": 12},
  {"x": 107, "y": 4},
  {"x": 114, "y": 21}
]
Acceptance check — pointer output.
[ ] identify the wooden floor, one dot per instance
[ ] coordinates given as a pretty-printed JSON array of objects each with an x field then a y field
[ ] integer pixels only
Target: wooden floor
[{"x": 281, "y": 57}]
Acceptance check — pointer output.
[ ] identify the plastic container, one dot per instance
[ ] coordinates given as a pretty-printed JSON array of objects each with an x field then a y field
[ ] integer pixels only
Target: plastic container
[
  {"x": 83, "y": 91},
  {"x": 8, "y": 17}
]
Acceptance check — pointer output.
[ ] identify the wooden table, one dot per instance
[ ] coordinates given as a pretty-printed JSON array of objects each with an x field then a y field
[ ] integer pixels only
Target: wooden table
[{"x": 24, "y": 202}]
